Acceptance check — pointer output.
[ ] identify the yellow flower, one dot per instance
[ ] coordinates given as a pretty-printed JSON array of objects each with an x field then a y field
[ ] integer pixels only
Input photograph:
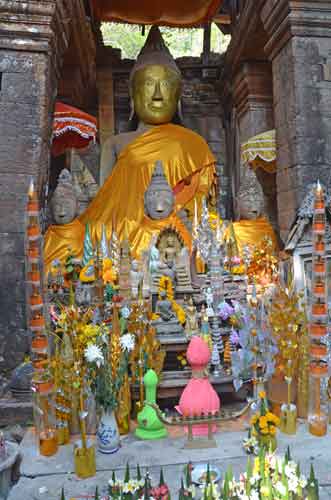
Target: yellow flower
[
  {"x": 263, "y": 422},
  {"x": 264, "y": 431},
  {"x": 238, "y": 269},
  {"x": 179, "y": 312},
  {"x": 262, "y": 394},
  {"x": 272, "y": 430},
  {"x": 254, "y": 419}
]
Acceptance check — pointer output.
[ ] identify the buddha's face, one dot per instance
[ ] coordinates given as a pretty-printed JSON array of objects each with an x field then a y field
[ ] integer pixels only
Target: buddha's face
[
  {"x": 63, "y": 209},
  {"x": 155, "y": 91},
  {"x": 250, "y": 206},
  {"x": 159, "y": 203},
  {"x": 171, "y": 241}
]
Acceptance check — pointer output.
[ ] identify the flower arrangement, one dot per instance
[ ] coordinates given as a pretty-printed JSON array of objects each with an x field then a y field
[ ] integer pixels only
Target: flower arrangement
[
  {"x": 127, "y": 489},
  {"x": 107, "y": 360},
  {"x": 165, "y": 285},
  {"x": 267, "y": 477},
  {"x": 264, "y": 424}
]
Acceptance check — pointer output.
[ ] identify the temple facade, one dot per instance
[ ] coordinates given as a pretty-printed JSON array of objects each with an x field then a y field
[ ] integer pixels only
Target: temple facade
[{"x": 275, "y": 74}]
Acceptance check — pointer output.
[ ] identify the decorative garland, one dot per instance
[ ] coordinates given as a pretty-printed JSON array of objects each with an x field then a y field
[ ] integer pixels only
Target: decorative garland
[{"x": 165, "y": 285}]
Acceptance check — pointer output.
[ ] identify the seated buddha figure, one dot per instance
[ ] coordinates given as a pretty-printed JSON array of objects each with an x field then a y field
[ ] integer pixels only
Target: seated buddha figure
[
  {"x": 251, "y": 226},
  {"x": 128, "y": 160}
]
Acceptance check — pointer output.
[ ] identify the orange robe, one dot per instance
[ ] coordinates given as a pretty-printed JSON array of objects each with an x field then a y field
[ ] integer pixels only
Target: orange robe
[{"x": 189, "y": 166}]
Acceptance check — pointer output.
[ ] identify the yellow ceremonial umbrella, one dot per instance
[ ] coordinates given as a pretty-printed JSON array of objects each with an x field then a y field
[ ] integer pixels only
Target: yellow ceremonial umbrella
[{"x": 260, "y": 151}]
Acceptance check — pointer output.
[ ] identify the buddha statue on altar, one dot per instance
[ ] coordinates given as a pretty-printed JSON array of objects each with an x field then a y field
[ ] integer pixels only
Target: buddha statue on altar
[
  {"x": 251, "y": 226},
  {"x": 167, "y": 322},
  {"x": 128, "y": 161}
]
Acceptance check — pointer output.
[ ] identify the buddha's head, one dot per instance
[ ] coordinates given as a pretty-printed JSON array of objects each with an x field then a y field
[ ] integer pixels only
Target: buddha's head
[
  {"x": 171, "y": 241},
  {"x": 250, "y": 199},
  {"x": 64, "y": 201},
  {"x": 155, "y": 82},
  {"x": 159, "y": 198}
]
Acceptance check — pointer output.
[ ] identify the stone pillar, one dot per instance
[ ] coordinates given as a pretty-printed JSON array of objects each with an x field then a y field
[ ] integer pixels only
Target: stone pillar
[
  {"x": 299, "y": 48},
  {"x": 28, "y": 76},
  {"x": 253, "y": 100},
  {"x": 106, "y": 110}
]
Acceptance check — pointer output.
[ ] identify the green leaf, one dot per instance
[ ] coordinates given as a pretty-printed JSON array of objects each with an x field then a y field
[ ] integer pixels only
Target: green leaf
[
  {"x": 138, "y": 473},
  {"x": 161, "y": 482},
  {"x": 127, "y": 473}
]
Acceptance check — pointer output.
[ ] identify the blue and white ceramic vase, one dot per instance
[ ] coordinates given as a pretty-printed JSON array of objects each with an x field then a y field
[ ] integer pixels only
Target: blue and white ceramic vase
[{"x": 108, "y": 436}]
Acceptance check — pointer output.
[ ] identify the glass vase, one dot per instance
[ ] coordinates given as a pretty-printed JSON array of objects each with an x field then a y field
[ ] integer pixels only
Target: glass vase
[
  {"x": 84, "y": 460},
  {"x": 45, "y": 421},
  {"x": 318, "y": 415},
  {"x": 288, "y": 419}
]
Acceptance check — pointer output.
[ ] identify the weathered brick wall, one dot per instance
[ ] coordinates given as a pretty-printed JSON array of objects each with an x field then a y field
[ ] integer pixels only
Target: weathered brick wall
[
  {"x": 201, "y": 111},
  {"x": 302, "y": 116},
  {"x": 25, "y": 105},
  {"x": 299, "y": 48}
]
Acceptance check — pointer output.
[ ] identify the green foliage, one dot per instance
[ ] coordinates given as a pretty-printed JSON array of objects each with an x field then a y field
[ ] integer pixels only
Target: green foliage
[
  {"x": 62, "y": 495},
  {"x": 138, "y": 473},
  {"x": 181, "y": 42},
  {"x": 96, "y": 496},
  {"x": 312, "y": 488},
  {"x": 127, "y": 473},
  {"x": 162, "y": 481}
]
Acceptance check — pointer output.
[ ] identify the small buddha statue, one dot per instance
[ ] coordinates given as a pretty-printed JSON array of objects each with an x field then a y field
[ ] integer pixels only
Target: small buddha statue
[
  {"x": 83, "y": 294},
  {"x": 66, "y": 235},
  {"x": 170, "y": 252},
  {"x": 164, "y": 308},
  {"x": 64, "y": 201},
  {"x": 167, "y": 323},
  {"x": 167, "y": 265},
  {"x": 159, "y": 198},
  {"x": 251, "y": 227},
  {"x": 136, "y": 277},
  {"x": 188, "y": 163},
  {"x": 191, "y": 324}
]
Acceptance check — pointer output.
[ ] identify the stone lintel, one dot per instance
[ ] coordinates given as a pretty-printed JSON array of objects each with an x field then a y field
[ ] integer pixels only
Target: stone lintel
[
  {"x": 252, "y": 86},
  {"x": 284, "y": 19},
  {"x": 35, "y": 26}
]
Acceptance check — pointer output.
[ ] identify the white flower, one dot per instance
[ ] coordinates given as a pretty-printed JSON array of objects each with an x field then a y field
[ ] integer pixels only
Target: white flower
[
  {"x": 293, "y": 484},
  {"x": 127, "y": 342},
  {"x": 93, "y": 354},
  {"x": 280, "y": 488},
  {"x": 303, "y": 481},
  {"x": 254, "y": 495}
]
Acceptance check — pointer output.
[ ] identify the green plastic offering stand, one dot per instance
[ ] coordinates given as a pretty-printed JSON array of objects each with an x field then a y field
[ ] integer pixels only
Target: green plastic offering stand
[{"x": 149, "y": 424}]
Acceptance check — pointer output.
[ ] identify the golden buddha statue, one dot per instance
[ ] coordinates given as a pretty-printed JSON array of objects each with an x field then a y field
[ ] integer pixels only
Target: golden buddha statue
[{"x": 128, "y": 160}]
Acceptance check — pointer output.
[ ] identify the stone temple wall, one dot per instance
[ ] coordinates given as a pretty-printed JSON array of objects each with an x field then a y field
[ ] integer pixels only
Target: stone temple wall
[
  {"x": 201, "y": 110},
  {"x": 25, "y": 110}
]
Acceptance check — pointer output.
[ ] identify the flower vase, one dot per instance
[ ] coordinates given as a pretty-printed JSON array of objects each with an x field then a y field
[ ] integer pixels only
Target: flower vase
[
  {"x": 267, "y": 441},
  {"x": 108, "y": 436},
  {"x": 84, "y": 460},
  {"x": 288, "y": 419}
]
